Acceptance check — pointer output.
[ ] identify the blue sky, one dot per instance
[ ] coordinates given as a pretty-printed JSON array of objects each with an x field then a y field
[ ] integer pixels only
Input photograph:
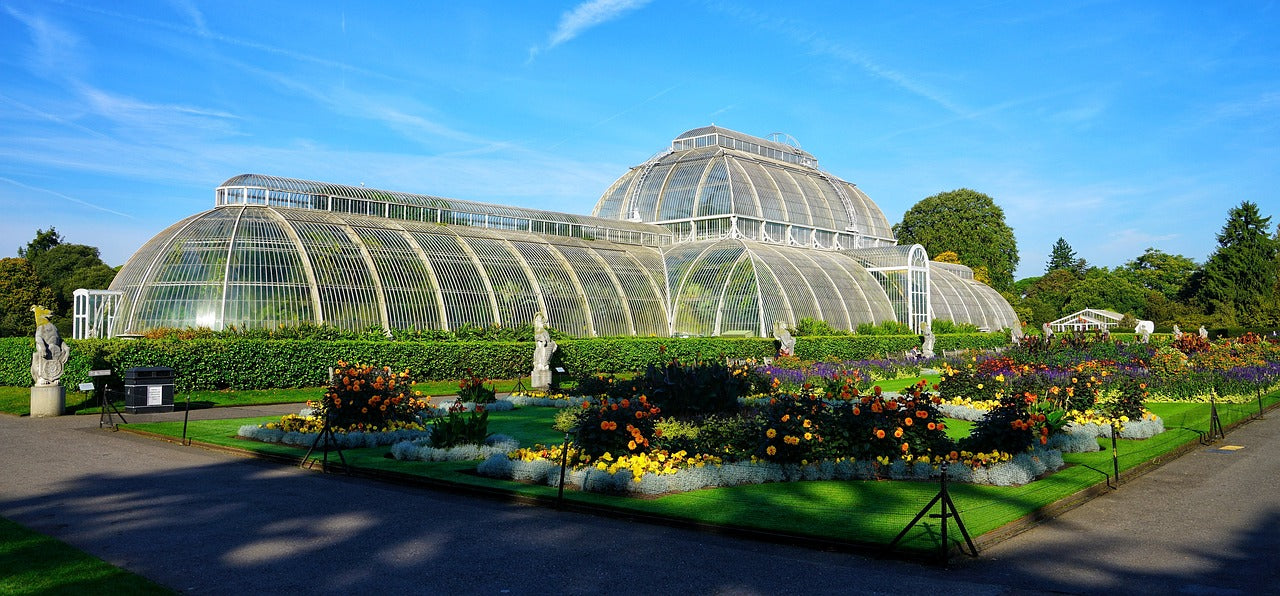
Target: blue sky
[{"x": 1116, "y": 125}]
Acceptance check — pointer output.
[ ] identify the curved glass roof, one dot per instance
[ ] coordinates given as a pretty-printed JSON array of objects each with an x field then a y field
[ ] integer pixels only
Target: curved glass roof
[
  {"x": 257, "y": 189},
  {"x": 256, "y": 266},
  {"x": 715, "y": 172},
  {"x": 742, "y": 287},
  {"x": 960, "y": 299}
]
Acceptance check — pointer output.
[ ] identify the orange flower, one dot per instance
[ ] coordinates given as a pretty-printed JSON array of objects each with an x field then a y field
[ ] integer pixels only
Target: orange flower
[
  {"x": 879, "y": 433},
  {"x": 604, "y": 425},
  {"x": 786, "y": 417},
  {"x": 909, "y": 421},
  {"x": 905, "y": 447},
  {"x": 639, "y": 415},
  {"x": 933, "y": 426},
  {"x": 922, "y": 413},
  {"x": 856, "y": 411},
  {"x": 897, "y": 433}
]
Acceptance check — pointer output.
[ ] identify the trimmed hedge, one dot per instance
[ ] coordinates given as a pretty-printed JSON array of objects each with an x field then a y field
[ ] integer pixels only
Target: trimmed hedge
[{"x": 246, "y": 363}]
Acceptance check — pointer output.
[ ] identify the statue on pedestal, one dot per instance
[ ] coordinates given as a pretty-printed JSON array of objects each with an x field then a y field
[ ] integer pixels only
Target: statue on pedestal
[
  {"x": 927, "y": 344},
  {"x": 1177, "y": 333},
  {"x": 1144, "y": 330},
  {"x": 1204, "y": 333},
  {"x": 543, "y": 348},
  {"x": 786, "y": 343},
  {"x": 51, "y": 353},
  {"x": 1047, "y": 331}
]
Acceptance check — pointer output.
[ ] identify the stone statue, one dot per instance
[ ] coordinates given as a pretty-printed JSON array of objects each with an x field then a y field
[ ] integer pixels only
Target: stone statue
[
  {"x": 1177, "y": 333},
  {"x": 927, "y": 344},
  {"x": 1144, "y": 330},
  {"x": 1204, "y": 333},
  {"x": 786, "y": 343},
  {"x": 1047, "y": 331},
  {"x": 51, "y": 353},
  {"x": 543, "y": 348}
]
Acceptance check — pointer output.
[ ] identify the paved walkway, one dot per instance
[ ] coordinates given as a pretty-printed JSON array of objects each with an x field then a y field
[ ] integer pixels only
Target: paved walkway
[{"x": 206, "y": 522}]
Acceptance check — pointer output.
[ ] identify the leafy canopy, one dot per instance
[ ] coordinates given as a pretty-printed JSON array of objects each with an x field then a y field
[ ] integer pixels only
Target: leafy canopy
[
  {"x": 969, "y": 224},
  {"x": 1239, "y": 279}
]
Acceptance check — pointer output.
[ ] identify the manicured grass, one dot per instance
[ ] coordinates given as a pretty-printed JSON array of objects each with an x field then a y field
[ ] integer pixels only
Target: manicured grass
[
  {"x": 864, "y": 511},
  {"x": 900, "y": 384},
  {"x": 32, "y": 563}
]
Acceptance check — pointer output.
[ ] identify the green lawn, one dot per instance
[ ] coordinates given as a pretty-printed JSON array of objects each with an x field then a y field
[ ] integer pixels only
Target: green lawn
[
  {"x": 32, "y": 563},
  {"x": 870, "y": 512},
  {"x": 900, "y": 384}
]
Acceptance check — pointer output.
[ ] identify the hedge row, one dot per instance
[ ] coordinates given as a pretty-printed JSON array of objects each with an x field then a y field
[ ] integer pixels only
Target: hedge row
[{"x": 244, "y": 363}]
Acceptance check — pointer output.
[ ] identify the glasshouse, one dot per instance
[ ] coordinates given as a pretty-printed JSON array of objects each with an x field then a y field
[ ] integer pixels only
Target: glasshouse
[{"x": 722, "y": 233}]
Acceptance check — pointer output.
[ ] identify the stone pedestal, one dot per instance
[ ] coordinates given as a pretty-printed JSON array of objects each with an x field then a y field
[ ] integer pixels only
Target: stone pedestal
[
  {"x": 540, "y": 378},
  {"x": 48, "y": 400}
]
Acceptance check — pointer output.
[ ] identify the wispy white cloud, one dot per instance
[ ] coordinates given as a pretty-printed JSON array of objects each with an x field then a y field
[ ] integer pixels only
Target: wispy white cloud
[
  {"x": 63, "y": 196},
  {"x": 197, "y": 17},
  {"x": 817, "y": 44},
  {"x": 200, "y": 30},
  {"x": 54, "y": 49},
  {"x": 585, "y": 16}
]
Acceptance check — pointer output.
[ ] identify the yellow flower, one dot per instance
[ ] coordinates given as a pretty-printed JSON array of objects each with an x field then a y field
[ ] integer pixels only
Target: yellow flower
[
  {"x": 808, "y": 423},
  {"x": 771, "y": 450},
  {"x": 771, "y": 433},
  {"x": 808, "y": 436}
]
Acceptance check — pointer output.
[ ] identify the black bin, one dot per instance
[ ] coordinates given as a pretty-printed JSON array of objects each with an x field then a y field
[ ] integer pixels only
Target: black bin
[{"x": 148, "y": 390}]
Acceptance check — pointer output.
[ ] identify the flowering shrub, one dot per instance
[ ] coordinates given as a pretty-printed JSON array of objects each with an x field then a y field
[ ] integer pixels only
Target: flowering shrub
[
  {"x": 697, "y": 389},
  {"x": 622, "y": 426},
  {"x": 791, "y": 428},
  {"x": 364, "y": 397},
  {"x": 471, "y": 388},
  {"x": 460, "y": 427},
  {"x": 1017, "y": 424},
  {"x": 1190, "y": 343}
]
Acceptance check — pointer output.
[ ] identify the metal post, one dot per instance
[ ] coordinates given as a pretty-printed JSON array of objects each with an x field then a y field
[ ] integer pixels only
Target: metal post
[
  {"x": 564, "y": 462},
  {"x": 186, "y": 416},
  {"x": 1115, "y": 453}
]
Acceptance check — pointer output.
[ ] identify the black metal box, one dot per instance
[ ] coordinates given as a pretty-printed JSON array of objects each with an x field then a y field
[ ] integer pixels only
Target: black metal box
[{"x": 148, "y": 390}]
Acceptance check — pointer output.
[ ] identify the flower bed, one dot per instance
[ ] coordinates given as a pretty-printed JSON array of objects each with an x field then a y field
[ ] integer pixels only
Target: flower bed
[
  {"x": 633, "y": 476},
  {"x": 354, "y": 439},
  {"x": 420, "y": 449}
]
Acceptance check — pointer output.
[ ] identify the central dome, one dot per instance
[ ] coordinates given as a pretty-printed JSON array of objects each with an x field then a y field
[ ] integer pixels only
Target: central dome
[{"x": 712, "y": 173}]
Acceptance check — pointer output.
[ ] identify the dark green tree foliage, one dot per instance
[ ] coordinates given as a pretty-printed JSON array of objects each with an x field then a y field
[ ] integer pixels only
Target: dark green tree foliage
[
  {"x": 1240, "y": 276},
  {"x": 1104, "y": 289},
  {"x": 968, "y": 223},
  {"x": 1159, "y": 271},
  {"x": 1061, "y": 256},
  {"x": 62, "y": 268},
  {"x": 1047, "y": 298},
  {"x": 19, "y": 290}
]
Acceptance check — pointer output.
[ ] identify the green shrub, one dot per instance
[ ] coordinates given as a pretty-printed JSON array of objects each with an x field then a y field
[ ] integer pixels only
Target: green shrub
[
  {"x": 885, "y": 328},
  {"x": 460, "y": 428},
  {"x": 807, "y": 326}
]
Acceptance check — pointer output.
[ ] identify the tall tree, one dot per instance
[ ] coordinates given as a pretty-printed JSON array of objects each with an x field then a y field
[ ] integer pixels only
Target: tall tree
[
  {"x": 1061, "y": 256},
  {"x": 1047, "y": 298},
  {"x": 967, "y": 223},
  {"x": 44, "y": 240},
  {"x": 62, "y": 268},
  {"x": 1240, "y": 276},
  {"x": 19, "y": 290},
  {"x": 1103, "y": 289},
  {"x": 1159, "y": 271}
]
